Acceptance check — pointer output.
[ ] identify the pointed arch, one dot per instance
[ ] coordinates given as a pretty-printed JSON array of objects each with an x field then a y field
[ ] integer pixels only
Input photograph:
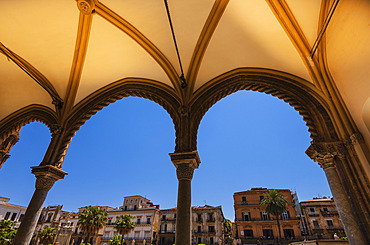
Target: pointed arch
[{"x": 300, "y": 94}]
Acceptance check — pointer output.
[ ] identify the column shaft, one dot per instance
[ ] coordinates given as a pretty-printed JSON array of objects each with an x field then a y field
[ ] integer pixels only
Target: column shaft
[
  {"x": 29, "y": 221},
  {"x": 183, "y": 217},
  {"x": 347, "y": 217}
]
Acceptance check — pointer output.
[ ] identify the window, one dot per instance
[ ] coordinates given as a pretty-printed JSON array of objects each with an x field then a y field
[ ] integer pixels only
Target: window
[
  {"x": 199, "y": 228},
  {"x": 199, "y": 217},
  {"x": 264, "y": 216},
  {"x": 261, "y": 197},
  {"x": 246, "y": 216},
  {"x": 174, "y": 227},
  {"x": 248, "y": 234},
  {"x": 199, "y": 240},
  {"x": 165, "y": 227},
  {"x": 325, "y": 209},
  {"x": 138, "y": 221},
  {"x": 135, "y": 207},
  {"x": 244, "y": 199},
  {"x": 316, "y": 224},
  {"x": 13, "y": 216},
  {"x": 211, "y": 228},
  {"x": 174, "y": 216},
  {"x": 268, "y": 234},
  {"x": 137, "y": 234},
  {"x": 211, "y": 240},
  {"x": 7, "y": 215},
  {"x": 312, "y": 210},
  {"x": 163, "y": 217},
  {"x": 210, "y": 217},
  {"x": 21, "y": 217},
  {"x": 288, "y": 234},
  {"x": 148, "y": 220},
  {"x": 285, "y": 215},
  {"x": 125, "y": 208},
  {"x": 330, "y": 223}
]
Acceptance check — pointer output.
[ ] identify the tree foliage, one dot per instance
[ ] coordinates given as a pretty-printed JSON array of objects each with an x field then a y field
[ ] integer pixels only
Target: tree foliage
[
  {"x": 123, "y": 225},
  {"x": 274, "y": 204},
  {"x": 91, "y": 220},
  {"x": 47, "y": 235},
  {"x": 7, "y": 232},
  {"x": 116, "y": 240}
]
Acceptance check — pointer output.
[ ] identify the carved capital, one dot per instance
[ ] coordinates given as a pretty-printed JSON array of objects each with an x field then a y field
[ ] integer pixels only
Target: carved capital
[
  {"x": 86, "y": 6},
  {"x": 325, "y": 161},
  {"x": 185, "y": 172},
  {"x": 185, "y": 164},
  {"x": 46, "y": 176},
  {"x": 324, "y": 153}
]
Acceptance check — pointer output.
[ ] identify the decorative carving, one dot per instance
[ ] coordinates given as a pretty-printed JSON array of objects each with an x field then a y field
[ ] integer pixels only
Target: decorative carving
[
  {"x": 184, "y": 172},
  {"x": 302, "y": 96},
  {"x": 356, "y": 138},
  {"x": 85, "y": 6},
  {"x": 46, "y": 176},
  {"x": 45, "y": 182},
  {"x": 325, "y": 161}
]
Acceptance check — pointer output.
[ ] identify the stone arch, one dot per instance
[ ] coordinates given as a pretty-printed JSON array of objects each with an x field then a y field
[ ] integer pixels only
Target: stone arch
[
  {"x": 18, "y": 119},
  {"x": 297, "y": 92},
  {"x": 12, "y": 124},
  {"x": 148, "y": 89}
]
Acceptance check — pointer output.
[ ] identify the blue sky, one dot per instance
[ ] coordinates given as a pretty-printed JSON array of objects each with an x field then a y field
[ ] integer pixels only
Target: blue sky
[{"x": 246, "y": 140}]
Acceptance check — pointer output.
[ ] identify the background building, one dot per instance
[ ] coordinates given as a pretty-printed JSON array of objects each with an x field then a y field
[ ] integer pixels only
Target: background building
[
  {"x": 10, "y": 211},
  {"x": 208, "y": 226},
  {"x": 145, "y": 215},
  {"x": 322, "y": 218},
  {"x": 254, "y": 225}
]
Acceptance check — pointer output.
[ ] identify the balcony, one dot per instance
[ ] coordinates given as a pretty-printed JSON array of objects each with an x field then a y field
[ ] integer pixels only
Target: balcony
[
  {"x": 143, "y": 223},
  {"x": 328, "y": 213},
  {"x": 168, "y": 219},
  {"x": 167, "y": 232}
]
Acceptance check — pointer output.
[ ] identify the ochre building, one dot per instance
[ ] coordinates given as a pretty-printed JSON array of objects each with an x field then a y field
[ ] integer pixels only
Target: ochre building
[
  {"x": 254, "y": 225},
  {"x": 322, "y": 218}
]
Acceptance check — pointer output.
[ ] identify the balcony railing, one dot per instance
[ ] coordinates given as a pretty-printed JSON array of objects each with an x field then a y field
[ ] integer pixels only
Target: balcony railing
[
  {"x": 143, "y": 223},
  {"x": 199, "y": 220},
  {"x": 211, "y": 220},
  {"x": 168, "y": 219},
  {"x": 167, "y": 232},
  {"x": 259, "y": 219},
  {"x": 128, "y": 238}
]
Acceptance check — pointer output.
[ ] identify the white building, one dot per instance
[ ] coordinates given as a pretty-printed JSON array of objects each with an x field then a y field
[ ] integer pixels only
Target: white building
[
  {"x": 145, "y": 215},
  {"x": 10, "y": 211}
]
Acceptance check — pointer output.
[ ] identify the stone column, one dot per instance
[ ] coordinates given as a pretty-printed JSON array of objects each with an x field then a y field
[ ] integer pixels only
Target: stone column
[
  {"x": 351, "y": 226},
  {"x": 185, "y": 164},
  {"x": 45, "y": 179}
]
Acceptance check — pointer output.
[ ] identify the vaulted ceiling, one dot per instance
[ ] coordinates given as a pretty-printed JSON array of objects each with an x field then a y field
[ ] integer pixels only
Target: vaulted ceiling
[{"x": 55, "y": 51}]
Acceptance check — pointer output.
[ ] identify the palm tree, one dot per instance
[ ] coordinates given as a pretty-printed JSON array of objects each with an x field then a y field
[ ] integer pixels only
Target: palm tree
[
  {"x": 274, "y": 204},
  {"x": 124, "y": 225},
  {"x": 47, "y": 235},
  {"x": 116, "y": 240},
  {"x": 91, "y": 220}
]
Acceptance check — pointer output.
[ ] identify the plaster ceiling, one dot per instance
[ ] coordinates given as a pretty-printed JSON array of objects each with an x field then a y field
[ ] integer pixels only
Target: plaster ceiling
[{"x": 132, "y": 38}]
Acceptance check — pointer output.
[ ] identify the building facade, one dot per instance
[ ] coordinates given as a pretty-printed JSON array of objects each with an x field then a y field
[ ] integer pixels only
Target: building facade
[
  {"x": 208, "y": 226},
  {"x": 322, "y": 218},
  {"x": 145, "y": 215},
  {"x": 255, "y": 226},
  {"x": 11, "y": 211}
]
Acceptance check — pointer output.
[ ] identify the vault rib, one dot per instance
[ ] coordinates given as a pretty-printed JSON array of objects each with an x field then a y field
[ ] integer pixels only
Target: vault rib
[
  {"x": 35, "y": 74},
  {"x": 205, "y": 37},
  {"x": 116, "y": 20}
]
